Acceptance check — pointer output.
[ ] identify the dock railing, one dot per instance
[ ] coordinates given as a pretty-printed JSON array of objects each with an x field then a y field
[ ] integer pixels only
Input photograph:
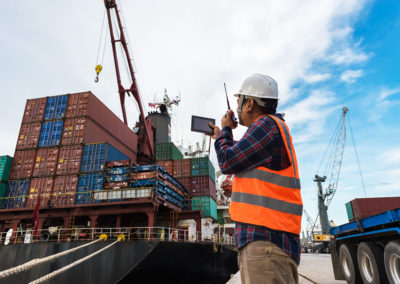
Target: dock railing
[{"x": 58, "y": 234}]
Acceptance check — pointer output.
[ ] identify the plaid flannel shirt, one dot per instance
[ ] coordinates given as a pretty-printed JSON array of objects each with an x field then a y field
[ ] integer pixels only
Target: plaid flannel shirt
[{"x": 261, "y": 145}]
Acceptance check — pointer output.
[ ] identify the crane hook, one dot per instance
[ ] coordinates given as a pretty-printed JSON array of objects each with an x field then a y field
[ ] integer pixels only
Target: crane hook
[{"x": 98, "y": 70}]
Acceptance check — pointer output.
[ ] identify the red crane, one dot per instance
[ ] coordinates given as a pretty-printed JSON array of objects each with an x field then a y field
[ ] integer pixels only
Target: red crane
[{"x": 146, "y": 137}]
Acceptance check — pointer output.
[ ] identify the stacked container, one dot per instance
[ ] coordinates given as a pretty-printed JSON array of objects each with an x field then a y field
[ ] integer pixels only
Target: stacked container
[{"x": 5, "y": 167}]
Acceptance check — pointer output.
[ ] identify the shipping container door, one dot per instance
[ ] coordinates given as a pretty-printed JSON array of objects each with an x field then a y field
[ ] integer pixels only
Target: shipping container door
[
  {"x": 55, "y": 107},
  {"x": 50, "y": 135}
]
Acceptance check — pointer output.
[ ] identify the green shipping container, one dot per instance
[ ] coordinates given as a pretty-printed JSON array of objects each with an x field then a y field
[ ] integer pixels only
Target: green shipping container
[
  {"x": 168, "y": 151},
  {"x": 3, "y": 187},
  {"x": 206, "y": 204},
  {"x": 220, "y": 217},
  {"x": 5, "y": 167},
  {"x": 202, "y": 167},
  {"x": 349, "y": 210}
]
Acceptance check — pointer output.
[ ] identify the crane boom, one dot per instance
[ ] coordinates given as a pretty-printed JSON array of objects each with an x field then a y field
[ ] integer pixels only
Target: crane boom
[{"x": 133, "y": 89}]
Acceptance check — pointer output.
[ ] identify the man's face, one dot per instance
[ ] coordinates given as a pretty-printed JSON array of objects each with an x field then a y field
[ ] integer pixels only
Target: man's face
[{"x": 239, "y": 100}]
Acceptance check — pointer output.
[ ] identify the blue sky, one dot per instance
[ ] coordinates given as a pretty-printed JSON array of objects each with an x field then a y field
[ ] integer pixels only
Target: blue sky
[{"x": 324, "y": 55}]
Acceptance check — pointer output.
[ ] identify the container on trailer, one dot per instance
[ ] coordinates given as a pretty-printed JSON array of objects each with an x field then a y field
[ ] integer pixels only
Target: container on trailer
[
  {"x": 102, "y": 125},
  {"x": 167, "y": 165},
  {"x": 87, "y": 184},
  {"x": 45, "y": 162},
  {"x": 181, "y": 168},
  {"x": 50, "y": 134},
  {"x": 29, "y": 134},
  {"x": 349, "y": 211},
  {"x": 69, "y": 160},
  {"x": 95, "y": 156},
  {"x": 203, "y": 186},
  {"x": 64, "y": 191},
  {"x": 206, "y": 204},
  {"x": 5, "y": 167},
  {"x": 365, "y": 207},
  {"x": 56, "y": 107},
  {"x": 168, "y": 151},
  {"x": 16, "y": 193},
  {"x": 202, "y": 167},
  {"x": 40, "y": 190},
  {"x": 22, "y": 165},
  {"x": 34, "y": 110}
]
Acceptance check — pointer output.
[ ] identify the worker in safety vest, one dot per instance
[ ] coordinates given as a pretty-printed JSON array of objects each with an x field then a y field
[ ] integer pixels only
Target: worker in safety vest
[{"x": 266, "y": 201}]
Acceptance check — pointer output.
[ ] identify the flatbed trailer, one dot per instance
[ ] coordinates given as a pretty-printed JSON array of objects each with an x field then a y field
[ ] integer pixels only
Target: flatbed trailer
[{"x": 368, "y": 250}]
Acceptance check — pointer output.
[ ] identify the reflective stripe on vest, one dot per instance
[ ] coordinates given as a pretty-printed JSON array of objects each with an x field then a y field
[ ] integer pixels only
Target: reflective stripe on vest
[{"x": 270, "y": 198}]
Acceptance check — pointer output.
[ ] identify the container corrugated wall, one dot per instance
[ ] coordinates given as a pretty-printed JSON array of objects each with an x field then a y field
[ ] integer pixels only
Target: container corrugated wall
[
  {"x": 3, "y": 188},
  {"x": 22, "y": 165},
  {"x": 69, "y": 160},
  {"x": 95, "y": 156},
  {"x": 64, "y": 191},
  {"x": 16, "y": 193},
  {"x": 74, "y": 131},
  {"x": 5, "y": 167},
  {"x": 168, "y": 151},
  {"x": 365, "y": 207},
  {"x": 203, "y": 186},
  {"x": 202, "y": 167},
  {"x": 206, "y": 204}
]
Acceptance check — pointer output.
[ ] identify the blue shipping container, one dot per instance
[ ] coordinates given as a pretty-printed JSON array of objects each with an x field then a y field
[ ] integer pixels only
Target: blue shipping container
[
  {"x": 50, "y": 134},
  {"x": 95, "y": 156},
  {"x": 118, "y": 171},
  {"x": 148, "y": 168},
  {"x": 55, "y": 107},
  {"x": 16, "y": 194},
  {"x": 147, "y": 182},
  {"x": 114, "y": 178},
  {"x": 87, "y": 184}
]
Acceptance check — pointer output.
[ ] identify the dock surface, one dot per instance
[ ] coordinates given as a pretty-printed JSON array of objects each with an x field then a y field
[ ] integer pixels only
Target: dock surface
[{"x": 314, "y": 267}]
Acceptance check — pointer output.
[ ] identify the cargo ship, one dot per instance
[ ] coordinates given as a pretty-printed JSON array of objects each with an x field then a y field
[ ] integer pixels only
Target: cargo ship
[{"x": 76, "y": 176}]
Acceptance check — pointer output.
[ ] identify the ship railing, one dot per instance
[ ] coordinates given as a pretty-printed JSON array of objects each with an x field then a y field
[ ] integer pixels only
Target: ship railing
[{"x": 59, "y": 234}]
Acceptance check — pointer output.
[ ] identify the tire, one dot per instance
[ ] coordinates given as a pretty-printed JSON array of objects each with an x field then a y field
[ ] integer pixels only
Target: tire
[
  {"x": 372, "y": 269},
  {"x": 348, "y": 264},
  {"x": 392, "y": 262}
]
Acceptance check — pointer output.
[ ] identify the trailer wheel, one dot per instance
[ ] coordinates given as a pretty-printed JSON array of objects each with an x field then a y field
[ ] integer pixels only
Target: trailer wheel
[
  {"x": 372, "y": 269},
  {"x": 348, "y": 263},
  {"x": 392, "y": 262}
]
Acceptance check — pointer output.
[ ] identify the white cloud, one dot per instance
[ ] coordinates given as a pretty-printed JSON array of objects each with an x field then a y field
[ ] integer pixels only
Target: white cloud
[
  {"x": 315, "y": 78},
  {"x": 385, "y": 93},
  {"x": 347, "y": 56},
  {"x": 381, "y": 103},
  {"x": 350, "y": 76}
]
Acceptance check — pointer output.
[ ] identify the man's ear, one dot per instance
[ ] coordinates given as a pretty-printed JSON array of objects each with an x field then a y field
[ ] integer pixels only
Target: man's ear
[{"x": 251, "y": 105}]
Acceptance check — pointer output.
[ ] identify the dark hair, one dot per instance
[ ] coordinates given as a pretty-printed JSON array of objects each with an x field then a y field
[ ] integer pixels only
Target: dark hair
[{"x": 270, "y": 106}]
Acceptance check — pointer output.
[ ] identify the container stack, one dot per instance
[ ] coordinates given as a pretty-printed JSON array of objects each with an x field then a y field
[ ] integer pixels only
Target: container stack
[
  {"x": 197, "y": 175},
  {"x": 56, "y": 135},
  {"x": 5, "y": 167}
]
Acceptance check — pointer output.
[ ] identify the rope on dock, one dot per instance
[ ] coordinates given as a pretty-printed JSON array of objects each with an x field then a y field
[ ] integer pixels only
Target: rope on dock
[
  {"x": 309, "y": 279},
  {"x": 54, "y": 273},
  {"x": 38, "y": 261}
]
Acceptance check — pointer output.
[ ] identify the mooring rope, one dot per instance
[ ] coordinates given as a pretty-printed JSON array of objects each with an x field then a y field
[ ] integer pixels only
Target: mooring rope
[
  {"x": 38, "y": 261},
  {"x": 54, "y": 273}
]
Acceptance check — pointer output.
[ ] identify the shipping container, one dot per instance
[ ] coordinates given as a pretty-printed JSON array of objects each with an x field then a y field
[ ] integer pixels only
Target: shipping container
[
  {"x": 95, "y": 156},
  {"x": 148, "y": 168},
  {"x": 56, "y": 107},
  {"x": 168, "y": 151},
  {"x": 167, "y": 165},
  {"x": 29, "y": 134},
  {"x": 34, "y": 110},
  {"x": 50, "y": 134},
  {"x": 146, "y": 175},
  {"x": 206, "y": 204},
  {"x": 102, "y": 125},
  {"x": 22, "y": 165},
  {"x": 40, "y": 191},
  {"x": 112, "y": 164},
  {"x": 87, "y": 184},
  {"x": 349, "y": 211},
  {"x": 69, "y": 160},
  {"x": 187, "y": 183},
  {"x": 74, "y": 131},
  {"x": 64, "y": 191},
  {"x": 116, "y": 185},
  {"x": 116, "y": 177},
  {"x": 3, "y": 188},
  {"x": 16, "y": 193},
  {"x": 202, "y": 167},
  {"x": 45, "y": 162},
  {"x": 203, "y": 186},
  {"x": 117, "y": 170},
  {"x": 5, "y": 168},
  {"x": 366, "y": 207},
  {"x": 181, "y": 168}
]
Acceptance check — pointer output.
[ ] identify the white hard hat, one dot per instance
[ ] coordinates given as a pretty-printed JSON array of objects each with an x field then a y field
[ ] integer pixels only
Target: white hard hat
[{"x": 259, "y": 86}]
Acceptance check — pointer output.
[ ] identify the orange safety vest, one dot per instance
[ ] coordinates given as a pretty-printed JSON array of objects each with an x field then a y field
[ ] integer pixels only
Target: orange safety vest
[{"x": 269, "y": 198}]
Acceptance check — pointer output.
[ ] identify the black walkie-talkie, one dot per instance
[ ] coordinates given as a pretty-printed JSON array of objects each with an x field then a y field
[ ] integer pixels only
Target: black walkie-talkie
[{"x": 234, "y": 120}]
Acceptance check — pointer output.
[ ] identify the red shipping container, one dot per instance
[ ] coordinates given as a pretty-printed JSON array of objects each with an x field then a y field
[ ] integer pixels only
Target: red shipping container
[
  {"x": 45, "y": 162},
  {"x": 29, "y": 134},
  {"x": 181, "y": 168},
  {"x": 22, "y": 165},
  {"x": 203, "y": 186},
  {"x": 69, "y": 160},
  {"x": 102, "y": 125},
  {"x": 42, "y": 187},
  {"x": 187, "y": 183},
  {"x": 167, "y": 165},
  {"x": 73, "y": 131},
  {"x": 64, "y": 191},
  {"x": 147, "y": 175},
  {"x": 34, "y": 110},
  {"x": 116, "y": 185},
  {"x": 112, "y": 164},
  {"x": 365, "y": 207}
]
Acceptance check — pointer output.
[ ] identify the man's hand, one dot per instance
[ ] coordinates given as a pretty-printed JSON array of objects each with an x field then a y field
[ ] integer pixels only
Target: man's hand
[
  {"x": 227, "y": 120},
  {"x": 216, "y": 131}
]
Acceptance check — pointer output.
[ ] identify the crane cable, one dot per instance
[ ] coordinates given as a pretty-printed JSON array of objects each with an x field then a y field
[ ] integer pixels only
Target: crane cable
[
  {"x": 37, "y": 261},
  {"x": 75, "y": 263},
  {"x": 99, "y": 67}
]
